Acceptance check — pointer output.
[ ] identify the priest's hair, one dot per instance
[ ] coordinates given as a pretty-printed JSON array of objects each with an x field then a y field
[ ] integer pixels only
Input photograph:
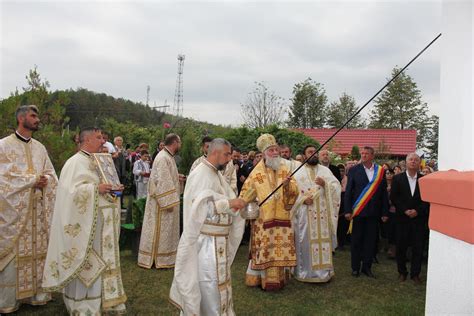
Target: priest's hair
[
  {"x": 86, "y": 132},
  {"x": 23, "y": 109},
  {"x": 217, "y": 144}
]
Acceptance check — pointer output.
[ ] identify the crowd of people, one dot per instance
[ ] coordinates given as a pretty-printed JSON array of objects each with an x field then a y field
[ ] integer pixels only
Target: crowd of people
[{"x": 63, "y": 234}]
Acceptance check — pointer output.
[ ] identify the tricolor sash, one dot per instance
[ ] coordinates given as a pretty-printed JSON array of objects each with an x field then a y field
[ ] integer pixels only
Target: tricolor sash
[{"x": 367, "y": 193}]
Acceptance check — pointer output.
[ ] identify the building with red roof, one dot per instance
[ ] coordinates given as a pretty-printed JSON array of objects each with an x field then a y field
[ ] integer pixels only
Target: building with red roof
[{"x": 391, "y": 142}]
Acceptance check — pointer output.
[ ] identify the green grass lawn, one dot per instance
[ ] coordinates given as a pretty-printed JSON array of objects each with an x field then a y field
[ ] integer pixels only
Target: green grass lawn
[{"x": 147, "y": 292}]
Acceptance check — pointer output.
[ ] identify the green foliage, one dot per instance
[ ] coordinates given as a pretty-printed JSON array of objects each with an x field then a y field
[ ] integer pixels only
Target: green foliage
[
  {"x": 245, "y": 138},
  {"x": 262, "y": 107},
  {"x": 433, "y": 136},
  {"x": 189, "y": 151},
  {"x": 355, "y": 152},
  {"x": 138, "y": 211},
  {"x": 339, "y": 112},
  {"x": 309, "y": 105},
  {"x": 400, "y": 106}
]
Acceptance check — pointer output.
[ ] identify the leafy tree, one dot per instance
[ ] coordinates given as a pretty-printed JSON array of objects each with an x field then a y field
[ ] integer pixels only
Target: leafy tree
[
  {"x": 246, "y": 138},
  {"x": 309, "y": 105},
  {"x": 400, "y": 106},
  {"x": 340, "y": 111},
  {"x": 433, "y": 137},
  {"x": 355, "y": 152},
  {"x": 262, "y": 107}
]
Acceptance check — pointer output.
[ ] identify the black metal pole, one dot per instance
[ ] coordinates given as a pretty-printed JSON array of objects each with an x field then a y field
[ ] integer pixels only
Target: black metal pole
[{"x": 353, "y": 116}]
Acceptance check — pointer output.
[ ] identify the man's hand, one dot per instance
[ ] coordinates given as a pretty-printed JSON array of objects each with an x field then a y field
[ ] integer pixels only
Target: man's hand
[
  {"x": 348, "y": 216},
  {"x": 182, "y": 178},
  {"x": 287, "y": 180},
  {"x": 237, "y": 204},
  {"x": 242, "y": 179},
  {"x": 105, "y": 188},
  {"x": 411, "y": 213},
  {"x": 384, "y": 219},
  {"x": 320, "y": 181},
  {"x": 308, "y": 201},
  {"x": 42, "y": 182}
]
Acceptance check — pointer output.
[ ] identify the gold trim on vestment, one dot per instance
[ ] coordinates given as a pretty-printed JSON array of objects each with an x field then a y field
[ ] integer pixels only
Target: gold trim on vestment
[
  {"x": 81, "y": 299},
  {"x": 9, "y": 310},
  {"x": 316, "y": 280},
  {"x": 75, "y": 274},
  {"x": 273, "y": 264}
]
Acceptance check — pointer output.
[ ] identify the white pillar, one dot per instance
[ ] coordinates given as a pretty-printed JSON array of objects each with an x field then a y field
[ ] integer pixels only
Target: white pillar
[{"x": 450, "y": 286}]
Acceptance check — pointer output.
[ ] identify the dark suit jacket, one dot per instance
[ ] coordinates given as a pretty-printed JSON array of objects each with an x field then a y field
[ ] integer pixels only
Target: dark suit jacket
[
  {"x": 336, "y": 172},
  {"x": 401, "y": 197},
  {"x": 356, "y": 182}
]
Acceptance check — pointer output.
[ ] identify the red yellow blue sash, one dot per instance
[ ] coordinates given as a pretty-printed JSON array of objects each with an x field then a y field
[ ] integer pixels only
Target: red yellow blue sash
[{"x": 367, "y": 193}]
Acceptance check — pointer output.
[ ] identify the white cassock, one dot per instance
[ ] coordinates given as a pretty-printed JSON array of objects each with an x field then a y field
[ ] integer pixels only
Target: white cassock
[
  {"x": 83, "y": 260},
  {"x": 25, "y": 217},
  {"x": 211, "y": 236},
  {"x": 315, "y": 225}
]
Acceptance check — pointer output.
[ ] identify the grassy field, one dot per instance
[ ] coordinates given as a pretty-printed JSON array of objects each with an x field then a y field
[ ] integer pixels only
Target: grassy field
[{"x": 147, "y": 292}]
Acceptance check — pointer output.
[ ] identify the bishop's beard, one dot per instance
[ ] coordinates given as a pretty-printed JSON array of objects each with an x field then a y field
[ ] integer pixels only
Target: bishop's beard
[{"x": 273, "y": 163}]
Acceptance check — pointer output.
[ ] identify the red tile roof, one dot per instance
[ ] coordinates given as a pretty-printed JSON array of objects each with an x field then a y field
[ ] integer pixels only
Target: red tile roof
[{"x": 398, "y": 142}]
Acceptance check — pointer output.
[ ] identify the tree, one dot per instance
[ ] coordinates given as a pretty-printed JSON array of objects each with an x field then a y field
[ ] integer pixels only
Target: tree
[
  {"x": 245, "y": 138},
  {"x": 262, "y": 107},
  {"x": 309, "y": 105},
  {"x": 339, "y": 112},
  {"x": 400, "y": 106},
  {"x": 433, "y": 137},
  {"x": 355, "y": 152}
]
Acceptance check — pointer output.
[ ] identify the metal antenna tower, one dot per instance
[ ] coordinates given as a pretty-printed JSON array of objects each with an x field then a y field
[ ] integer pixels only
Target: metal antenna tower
[{"x": 178, "y": 93}]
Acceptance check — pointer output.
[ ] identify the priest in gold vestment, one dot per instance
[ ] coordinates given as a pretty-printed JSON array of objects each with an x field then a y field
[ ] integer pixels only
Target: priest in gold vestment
[
  {"x": 83, "y": 260},
  {"x": 272, "y": 246},
  {"x": 27, "y": 191},
  {"x": 160, "y": 231},
  {"x": 315, "y": 216}
]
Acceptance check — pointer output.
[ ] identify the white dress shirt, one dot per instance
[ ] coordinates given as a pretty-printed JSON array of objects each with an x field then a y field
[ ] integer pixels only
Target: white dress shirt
[
  {"x": 412, "y": 182},
  {"x": 369, "y": 172}
]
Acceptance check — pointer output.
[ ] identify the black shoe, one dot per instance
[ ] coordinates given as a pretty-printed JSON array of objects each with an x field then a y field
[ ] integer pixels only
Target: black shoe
[
  {"x": 355, "y": 274},
  {"x": 368, "y": 273}
]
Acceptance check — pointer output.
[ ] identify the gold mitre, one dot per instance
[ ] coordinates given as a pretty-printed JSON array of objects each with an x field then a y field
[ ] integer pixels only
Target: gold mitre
[{"x": 265, "y": 141}]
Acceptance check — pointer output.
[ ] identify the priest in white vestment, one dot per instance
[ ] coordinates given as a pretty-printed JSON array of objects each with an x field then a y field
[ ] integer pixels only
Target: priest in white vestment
[
  {"x": 27, "y": 191},
  {"x": 229, "y": 172},
  {"x": 160, "y": 231},
  {"x": 211, "y": 236},
  {"x": 314, "y": 218},
  {"x": 83, "y": 260}
]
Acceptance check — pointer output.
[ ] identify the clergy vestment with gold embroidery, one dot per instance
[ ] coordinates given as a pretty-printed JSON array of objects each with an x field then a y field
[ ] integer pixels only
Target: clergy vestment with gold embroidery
[
  {"x": 315, "y": 225},
  {"x": 25, "y": 217},
  {"x": 160, "y": 231},
  {"x": 211, "y": 236},
  {"x": 272, "y": 246},
  {"x": 83, "y": 260}
]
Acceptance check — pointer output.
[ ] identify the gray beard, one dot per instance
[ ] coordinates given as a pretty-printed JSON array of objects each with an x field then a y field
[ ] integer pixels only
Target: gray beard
[{"x": 273, "y": 163}]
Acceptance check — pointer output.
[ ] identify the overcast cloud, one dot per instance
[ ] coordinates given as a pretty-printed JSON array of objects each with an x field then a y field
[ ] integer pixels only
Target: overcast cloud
[{"x": 120, "y": 48}]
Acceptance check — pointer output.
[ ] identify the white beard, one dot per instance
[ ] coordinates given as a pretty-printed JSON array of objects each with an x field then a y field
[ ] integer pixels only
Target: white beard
[{"x": 273, "y": 163}]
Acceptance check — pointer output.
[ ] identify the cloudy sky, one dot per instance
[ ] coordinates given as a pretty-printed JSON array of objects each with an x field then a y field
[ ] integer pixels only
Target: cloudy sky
[{"x": 119, "y": 48}]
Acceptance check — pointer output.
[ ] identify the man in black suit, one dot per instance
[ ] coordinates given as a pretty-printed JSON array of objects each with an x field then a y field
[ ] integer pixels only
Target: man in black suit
[
  {"x": 410, "y": 216},
  {"x": 364, "y": 225}
]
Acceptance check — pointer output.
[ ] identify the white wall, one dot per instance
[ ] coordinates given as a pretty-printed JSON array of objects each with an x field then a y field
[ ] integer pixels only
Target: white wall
[
  {"x": 450, "y": 282},
  {"x": 456, "y": 150}
]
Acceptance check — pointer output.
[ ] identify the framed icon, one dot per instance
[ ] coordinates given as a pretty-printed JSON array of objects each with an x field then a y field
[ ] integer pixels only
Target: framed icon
[{"x": 106, "y": 168}]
